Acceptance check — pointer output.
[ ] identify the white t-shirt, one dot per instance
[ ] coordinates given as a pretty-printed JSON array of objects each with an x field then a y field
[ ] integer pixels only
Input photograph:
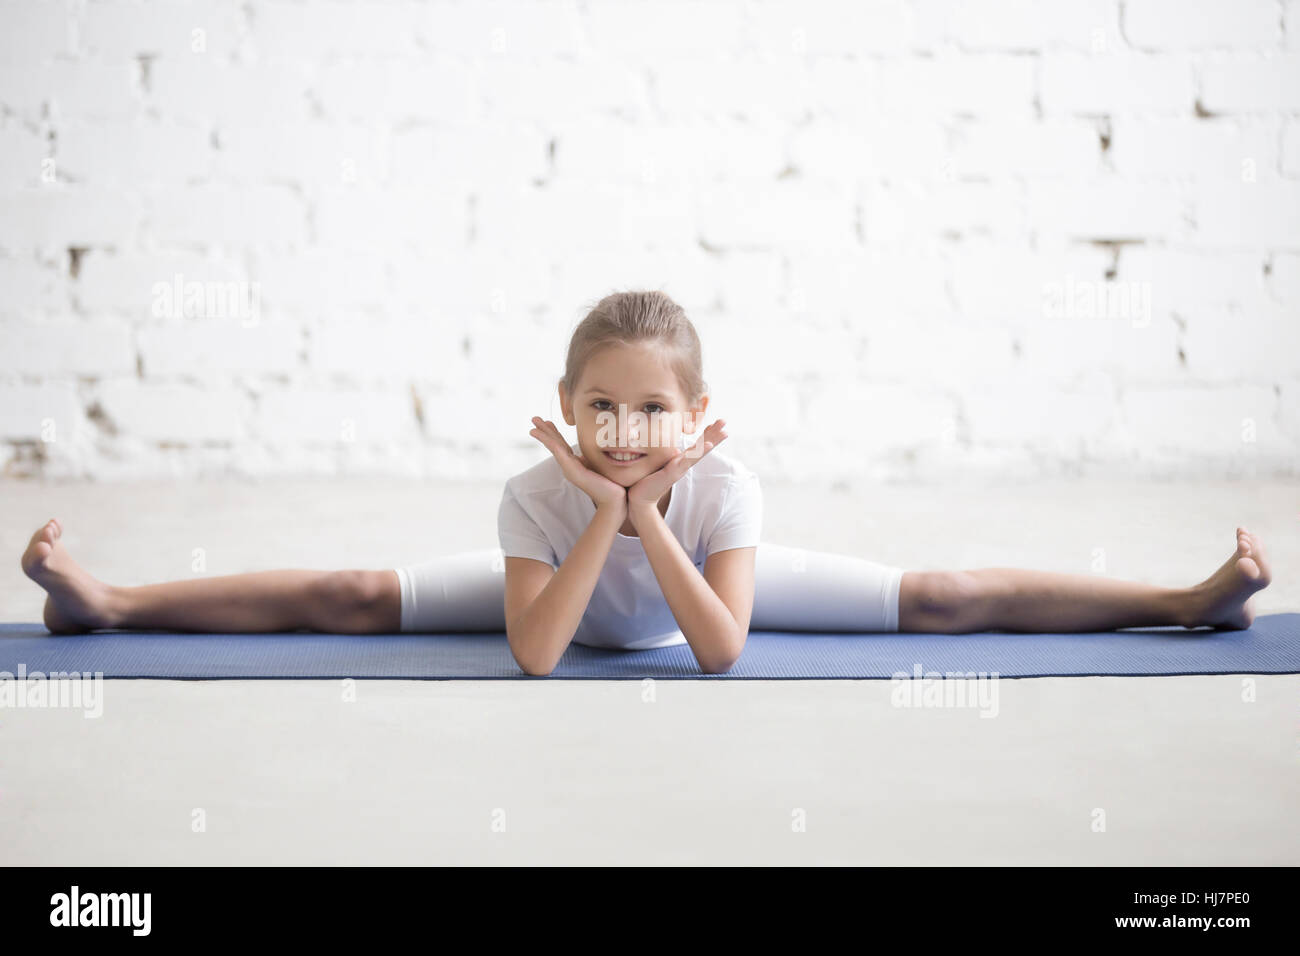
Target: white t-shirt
[{"x": 715, "y": 506}]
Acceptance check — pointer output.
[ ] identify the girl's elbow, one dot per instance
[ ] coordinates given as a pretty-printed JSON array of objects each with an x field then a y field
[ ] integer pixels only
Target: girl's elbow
[
  {"x": 720, "y": 665},
  {"x": 717, "y": 667},
  {"x": 526, "y": 662}
]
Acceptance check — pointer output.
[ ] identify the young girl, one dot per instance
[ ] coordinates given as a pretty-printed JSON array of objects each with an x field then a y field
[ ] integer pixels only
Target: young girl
[{"x": 631, "y": 539}]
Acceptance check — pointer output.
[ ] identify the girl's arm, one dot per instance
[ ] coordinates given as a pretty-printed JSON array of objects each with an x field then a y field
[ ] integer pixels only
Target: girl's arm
[
  {"x": 712, "y": 610},
  {"x": 545, "y": 607}
]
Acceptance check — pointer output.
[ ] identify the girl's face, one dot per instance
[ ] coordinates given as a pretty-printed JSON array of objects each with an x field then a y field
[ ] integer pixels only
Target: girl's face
[{"x": 628, "y": 402}]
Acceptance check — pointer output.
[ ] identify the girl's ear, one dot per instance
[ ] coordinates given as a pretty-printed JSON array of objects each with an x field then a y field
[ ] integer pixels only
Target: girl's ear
[
  {"x": 565, "y": 408},
  {"x": 694, "y": 415}
]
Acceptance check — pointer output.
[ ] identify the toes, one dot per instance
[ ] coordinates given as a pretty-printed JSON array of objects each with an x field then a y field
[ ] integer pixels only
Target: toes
[{"x": 1249, "y": 568}]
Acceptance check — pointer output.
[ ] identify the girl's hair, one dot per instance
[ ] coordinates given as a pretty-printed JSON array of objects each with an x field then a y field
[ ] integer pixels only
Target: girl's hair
[{"x": 642, "y": 316}]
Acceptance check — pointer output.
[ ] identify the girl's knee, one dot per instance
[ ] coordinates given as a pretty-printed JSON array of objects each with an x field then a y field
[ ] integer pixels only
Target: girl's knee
[
  {"x": 938, "y": 601},
  {"x": 348, "y": 600}
]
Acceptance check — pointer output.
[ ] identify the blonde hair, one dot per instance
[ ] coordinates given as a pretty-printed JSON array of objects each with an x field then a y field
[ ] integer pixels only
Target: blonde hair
[{"x": 639, "y": 316}]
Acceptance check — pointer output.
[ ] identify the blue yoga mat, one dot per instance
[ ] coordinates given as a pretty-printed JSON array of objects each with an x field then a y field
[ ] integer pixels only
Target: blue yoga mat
[{"x": 1271, "y": 646}]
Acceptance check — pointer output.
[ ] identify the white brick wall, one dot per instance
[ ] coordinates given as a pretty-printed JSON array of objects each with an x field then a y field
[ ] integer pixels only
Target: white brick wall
[{"x": 918, "y": 237}]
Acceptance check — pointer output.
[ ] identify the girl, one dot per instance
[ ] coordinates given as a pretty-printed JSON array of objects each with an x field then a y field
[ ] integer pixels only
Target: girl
[{"x": 631, "y": 539}]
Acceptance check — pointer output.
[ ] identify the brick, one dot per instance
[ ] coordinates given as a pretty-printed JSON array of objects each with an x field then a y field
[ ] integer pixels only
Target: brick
[
  {"x": 1066, "y": 149},
  {"x": 1283, "y": 283},
  {"x": 227, "y": 214},
  {"x": 1186, "y": 282},
  {"x": 1010, "y": 283},
  {"x": 1290, "y": 159},
  {"x": 1020, "y": 25},
  {"x": 21, "y": 155},
  {"x": 1210, "y": 151},
  {"x": 825, "y": 27},
  {"x": 57, "y": 347},
  {"x": 693, "y": 279},
  {"x": 1249, "y": 215},
  {"x": 515, "y": 28},
  {"x": 48, "y": 412},
  {"x": 35, "y": 31},
  {"x": 562, "y": 91},
  {"x": 874, "y": 148},
  {"x": 320, "y": 280},
  {"x": 210, "y": 350},
  {"x": 1109, "y": 209},
  {"x": 1062, "y": 422},
  {"x": 918, "y": 212},
  {"x": 876, "y": 419},
  {"x": 866, "y": 285},
  {"x": 952, "y": 83},
  {"x": 57, "y": 217},
  {"x": 1115, "y": 83},
  {"x": 1133, "y": 344},
  {"x": 119, "y": 29},
  {"x": 1171, "y": 25},
  {"x": 652, "y": 28},
  {"x": 185, "y": 414},
  {"x": 1232, "y": 346},
  {"x": 947, "y": 349},
  {"x": 134, "y": 155},
  {"x": 754, "y": 215},
  {"x": 472, "y": 282},
  {"x": 1250, "y": 84},
  {"x": 503, "y": 155},
  {"x": 351, "y": 217},
  {"x": 30, "y": 285},
  {"x": 488, "y": 416},
  {"x": 127, "y": 281},
  {"x": 334, "y": 417},
  {"x": 363, "y": 349},
  {"x": 81, "y": 90},
  {"x": 203, "y": 90},
  {"x": 676, "y": 153},
  {"x": 430, "y": 91},
  {"x": 759, "y": 90},
  {"x": 1198, "y": 422},
  {"x": 594, "y": 217},
  {"x": 314, "y": 31},
  {"x": 311, "y": 155}
]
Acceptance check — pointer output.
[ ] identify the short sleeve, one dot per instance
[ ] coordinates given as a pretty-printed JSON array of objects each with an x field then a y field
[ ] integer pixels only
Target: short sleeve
[
  {"x": 740, "y": 522},
  {"x": 519, "y": 535}
]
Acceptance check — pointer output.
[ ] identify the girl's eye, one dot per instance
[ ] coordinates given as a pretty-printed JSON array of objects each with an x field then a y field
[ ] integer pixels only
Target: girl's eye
[{"x": 652, "y": 405}]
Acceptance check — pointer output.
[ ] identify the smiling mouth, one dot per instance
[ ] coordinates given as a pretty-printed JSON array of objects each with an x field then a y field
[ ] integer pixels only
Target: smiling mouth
[{"x": 623, "y": 458}]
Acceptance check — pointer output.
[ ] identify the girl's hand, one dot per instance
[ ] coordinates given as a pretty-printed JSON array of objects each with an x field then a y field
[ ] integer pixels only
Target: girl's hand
[
  {"x": 646, "y": 493},
  {"x": 598, "y": 488}
]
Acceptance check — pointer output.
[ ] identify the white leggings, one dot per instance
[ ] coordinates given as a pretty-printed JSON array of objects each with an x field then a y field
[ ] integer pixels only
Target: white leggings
[{"x": 794, "y": 590}]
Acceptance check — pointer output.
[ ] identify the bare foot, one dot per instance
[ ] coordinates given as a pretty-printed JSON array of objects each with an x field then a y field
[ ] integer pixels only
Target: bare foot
[
  {"x": 77, "y": 602},
  {"x": 1226, "y": 598}
]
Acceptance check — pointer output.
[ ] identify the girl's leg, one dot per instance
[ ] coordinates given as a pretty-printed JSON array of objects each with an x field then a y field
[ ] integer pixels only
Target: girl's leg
[
  {"x": 1015, "y": 599},
  {"x": 345, "y": 602},
  {"x": 796, "y": 589}
]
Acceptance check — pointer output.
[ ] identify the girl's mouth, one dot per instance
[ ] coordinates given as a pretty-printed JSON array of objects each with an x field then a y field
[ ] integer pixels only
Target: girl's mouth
[{"x": 623, "y": 458}]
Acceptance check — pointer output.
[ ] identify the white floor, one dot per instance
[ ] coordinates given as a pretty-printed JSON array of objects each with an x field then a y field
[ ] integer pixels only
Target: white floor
[{"x": 1185, "y": 770}]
